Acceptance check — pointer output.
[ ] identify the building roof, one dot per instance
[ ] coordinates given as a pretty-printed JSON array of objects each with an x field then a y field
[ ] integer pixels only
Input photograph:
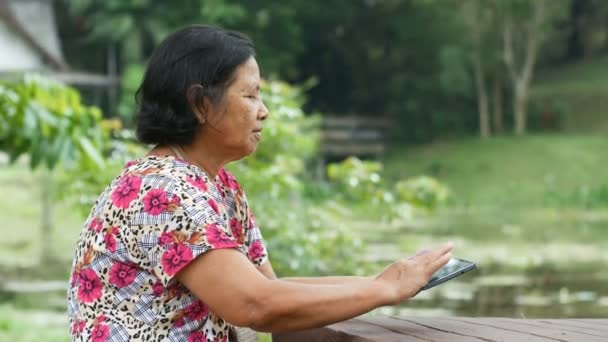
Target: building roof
[{"x": 39, "y": 34}]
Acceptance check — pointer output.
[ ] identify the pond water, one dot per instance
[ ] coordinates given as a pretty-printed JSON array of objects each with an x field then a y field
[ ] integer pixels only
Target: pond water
[
  {"x": 531, "y": 263},
  {"x": 567, "y": 296}
]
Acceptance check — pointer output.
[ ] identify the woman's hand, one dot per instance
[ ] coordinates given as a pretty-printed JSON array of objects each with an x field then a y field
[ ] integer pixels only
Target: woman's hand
[{"x": 404, "y": 278}]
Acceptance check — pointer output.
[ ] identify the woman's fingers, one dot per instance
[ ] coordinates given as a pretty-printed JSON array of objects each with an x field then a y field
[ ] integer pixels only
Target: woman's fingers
[
  {"x": 438, "y": 263},
  {"x": 437, "y": 253}
]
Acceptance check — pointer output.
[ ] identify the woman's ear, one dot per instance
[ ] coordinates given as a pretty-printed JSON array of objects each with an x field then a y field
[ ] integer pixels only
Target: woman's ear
[{"x": 197, "y": 102}]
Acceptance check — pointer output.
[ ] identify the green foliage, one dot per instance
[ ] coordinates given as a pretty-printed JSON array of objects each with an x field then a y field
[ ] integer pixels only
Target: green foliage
[
  {"x": 357, "y": 180},
  {"x": 81, "y": 187},
  {"x": 135, "y": 24},
  {"x": 305, "y": 235},
  {"x": 422, "y": 191},
  {"x": 48, "y": 122},
  {"x": 130, "y": 81}
]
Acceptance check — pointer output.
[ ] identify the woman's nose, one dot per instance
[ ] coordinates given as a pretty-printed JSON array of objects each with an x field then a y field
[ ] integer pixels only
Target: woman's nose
[{"x": 263, "y": 114}]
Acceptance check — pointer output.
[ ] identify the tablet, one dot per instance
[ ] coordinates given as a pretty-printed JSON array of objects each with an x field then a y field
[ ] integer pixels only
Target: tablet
[{"x": 451, "y": 270}]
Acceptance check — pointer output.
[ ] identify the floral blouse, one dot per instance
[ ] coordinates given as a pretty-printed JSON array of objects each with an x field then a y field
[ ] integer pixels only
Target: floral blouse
[{"x": 157, "y": 216}]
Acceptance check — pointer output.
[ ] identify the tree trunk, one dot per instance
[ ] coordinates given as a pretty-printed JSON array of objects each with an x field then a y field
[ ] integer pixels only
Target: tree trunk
[
  {"x": 497, "y": 101},
  {"x": 521, "y": 79},
  {"x": 472, "y": 14},
  {"x": 519, "y": 107},
  {"x": 482, "y": 98},
  {"x": 46, "y": 223}
]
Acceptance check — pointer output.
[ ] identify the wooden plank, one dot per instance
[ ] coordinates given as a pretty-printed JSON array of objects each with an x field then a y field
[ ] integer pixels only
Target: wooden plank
[
  {"x": 351, "y": 135},
  {"x": 481, "y": 331},
  {"x": 557, "y": 327},
  {"x": 579, "y": 324},
  {"x": 321, "y": 334},
  {"x": 372, "y": 331},
  {"x": 350, "y": 149},
  {"x": 354, "y": 121},
  {"x": 415, "y": 330},
  {"x": 520, "y": 325},
  {"x": 349, "y": 331},
  {"x": 454, "y": 329}
]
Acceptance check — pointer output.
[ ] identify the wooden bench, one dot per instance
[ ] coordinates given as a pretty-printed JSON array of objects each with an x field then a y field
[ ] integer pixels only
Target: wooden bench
[
  {"x": 352, "y": 136},
  {"x": 454, "y": 329}
]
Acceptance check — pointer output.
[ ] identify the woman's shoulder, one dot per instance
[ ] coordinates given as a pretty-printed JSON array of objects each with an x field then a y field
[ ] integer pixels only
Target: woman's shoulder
[{"x": 154, "y": 167}]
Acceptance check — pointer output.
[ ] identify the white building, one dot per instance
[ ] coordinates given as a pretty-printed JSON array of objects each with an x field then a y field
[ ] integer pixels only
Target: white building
[
  {"x": 28, "y": 37},
  {"x": 29, "y": 43}
]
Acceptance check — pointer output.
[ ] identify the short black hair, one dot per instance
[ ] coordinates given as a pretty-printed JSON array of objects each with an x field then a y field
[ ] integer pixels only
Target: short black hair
[{"x": 195, "y": 55}]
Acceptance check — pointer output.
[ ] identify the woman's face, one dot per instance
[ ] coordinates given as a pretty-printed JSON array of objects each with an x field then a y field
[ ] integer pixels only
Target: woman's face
[{"x": 235, "y": 125}]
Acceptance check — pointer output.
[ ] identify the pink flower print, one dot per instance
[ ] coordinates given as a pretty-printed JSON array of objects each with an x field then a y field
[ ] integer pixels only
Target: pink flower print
[
  {"x": 197, "y": 182},
  {"x": 78, "y": 327},
  {"x": 174, "y": 203},
  {"x": 251, "y": 219},
  {"x": 217, "y": 238},
  {"x": 158, "y": 289},
  {"x": 89, "y": 286},
  {"x": 122, "y": 274},
  {"x": 75, "y": 277},
  {"x": 227, "y": 179},
  {"x": 100, "y": 333},
  {"x": 110, "y": 242},
  {"x": 126, "y": 191},
  {"x": 179, "y": 322},
  {"x": 256, "y": 250},
  {"x": 213, "y": 205},
  {"x": 196, "y": 311},
  {"x": 220, "y": 189},
  {"x": 155, "y": 201},
  {"x": 175, "y": 258},
  {"x": 96, "y": 224},
  {"x": 166, "y": 237},
  {"x": 236, "y": 228},
  {"x": 197, "y": 336}
]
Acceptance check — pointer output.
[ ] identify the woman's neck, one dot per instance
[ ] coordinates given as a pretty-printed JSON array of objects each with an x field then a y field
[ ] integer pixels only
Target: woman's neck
[{"x": 201, "y": 156}]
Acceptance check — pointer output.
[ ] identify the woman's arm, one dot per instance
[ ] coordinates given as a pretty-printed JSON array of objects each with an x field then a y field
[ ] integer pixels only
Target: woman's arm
[
  {"x": 266, "y": 269},
  {"x": 235, "y": 290}
]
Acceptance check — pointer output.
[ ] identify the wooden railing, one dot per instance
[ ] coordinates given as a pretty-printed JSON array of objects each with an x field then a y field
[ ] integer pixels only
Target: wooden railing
[{"x": 454, "y": 329}]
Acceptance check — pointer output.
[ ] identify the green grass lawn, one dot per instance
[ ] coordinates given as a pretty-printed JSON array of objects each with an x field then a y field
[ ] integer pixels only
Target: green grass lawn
[
  {"x": 514, "y": 200},
  {"x": 20, "y": 206},
  {"x": 530, "y": 171},
  {"x": 581, "y": 89}
]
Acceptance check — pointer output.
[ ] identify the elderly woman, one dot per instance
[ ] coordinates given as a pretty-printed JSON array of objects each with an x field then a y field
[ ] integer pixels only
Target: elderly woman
[{"x": 171, "y": 250}]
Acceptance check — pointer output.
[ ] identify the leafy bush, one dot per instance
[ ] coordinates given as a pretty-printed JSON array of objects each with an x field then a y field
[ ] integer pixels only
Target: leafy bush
[
  {"x": 356, "y": 179},
  {"x": 48, "y": 121},
  {"x": 422, "y": 192},
  {"x": 305, "y": 234}
]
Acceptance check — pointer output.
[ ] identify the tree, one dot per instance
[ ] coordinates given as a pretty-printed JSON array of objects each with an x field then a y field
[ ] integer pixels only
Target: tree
[
  {"x": 477, "y": 18},
  {"x": 523, "y": 25},
  {"x": 47, "y": 122}
]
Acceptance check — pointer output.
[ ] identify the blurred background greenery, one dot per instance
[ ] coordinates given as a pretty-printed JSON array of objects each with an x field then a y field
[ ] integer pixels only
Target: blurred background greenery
[{"x": 494, "y": 136}]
